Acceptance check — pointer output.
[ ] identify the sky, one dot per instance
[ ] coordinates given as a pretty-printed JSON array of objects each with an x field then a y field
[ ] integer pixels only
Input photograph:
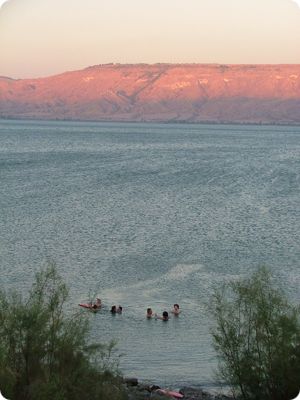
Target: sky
[{"x": 46, "y": 37}]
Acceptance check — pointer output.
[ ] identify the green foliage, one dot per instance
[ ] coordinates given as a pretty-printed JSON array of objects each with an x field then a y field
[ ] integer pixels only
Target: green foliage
[
  {"x": 44, "y": 353},
  {"x": 257, "y": 338}
]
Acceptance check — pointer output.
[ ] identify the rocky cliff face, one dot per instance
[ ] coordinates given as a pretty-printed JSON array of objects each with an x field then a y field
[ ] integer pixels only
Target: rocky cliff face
[{"x": 160, "y": 92}]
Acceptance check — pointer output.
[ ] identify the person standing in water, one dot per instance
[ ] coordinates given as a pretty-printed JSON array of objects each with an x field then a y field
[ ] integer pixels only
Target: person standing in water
[
  {"x": 149, "y": 313},
  {"x": 176, "y": 310}
]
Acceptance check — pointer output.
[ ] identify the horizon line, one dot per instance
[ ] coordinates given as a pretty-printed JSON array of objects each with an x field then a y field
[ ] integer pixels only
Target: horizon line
[{"x": 117, "y": 64}]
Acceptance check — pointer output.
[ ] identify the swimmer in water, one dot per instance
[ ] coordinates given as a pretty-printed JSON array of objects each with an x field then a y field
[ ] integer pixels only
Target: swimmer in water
[
  {"x": 165, "y": 316},
  {"x": 176, "y": 310},
  {"x": 149, "y": 313},
  {"x": 98, "y": 303},
  {"x": 113, "y": 309}
]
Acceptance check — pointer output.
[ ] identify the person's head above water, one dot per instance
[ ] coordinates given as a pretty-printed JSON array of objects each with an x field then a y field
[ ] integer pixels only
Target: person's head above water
[
  {"x": 176, "y": 310},
  {"x": 149, "y": 312},
  {"x": 165, "y": 315},
  {"x": 113, "y": 309},
  {"x": 98, "y": 302}
]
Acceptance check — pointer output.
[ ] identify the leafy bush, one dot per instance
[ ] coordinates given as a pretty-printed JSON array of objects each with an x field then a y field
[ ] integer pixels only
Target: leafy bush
[
  {"x": 257, "y": 338},
  {"x": 44, "y": 353}
]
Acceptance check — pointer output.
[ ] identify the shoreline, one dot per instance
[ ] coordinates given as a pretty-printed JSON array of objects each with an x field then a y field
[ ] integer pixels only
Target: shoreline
[
  {"x": 149, "y": 122},
  {"x": 140, "y": 390}
]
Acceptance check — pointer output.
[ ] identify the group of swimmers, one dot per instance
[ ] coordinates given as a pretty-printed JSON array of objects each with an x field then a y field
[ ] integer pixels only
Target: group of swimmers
[
  {"x": 149, "y": 314},
  {"x": 165, "y": 315},
  {"x": 116, "y": 310}
]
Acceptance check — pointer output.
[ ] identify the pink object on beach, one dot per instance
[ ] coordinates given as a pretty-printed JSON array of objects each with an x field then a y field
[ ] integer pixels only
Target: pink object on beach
[{"x": 170, "y": 393}]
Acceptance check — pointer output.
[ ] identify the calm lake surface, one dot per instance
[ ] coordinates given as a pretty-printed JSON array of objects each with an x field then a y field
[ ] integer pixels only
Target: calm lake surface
[{"x": 146, "y": 215}]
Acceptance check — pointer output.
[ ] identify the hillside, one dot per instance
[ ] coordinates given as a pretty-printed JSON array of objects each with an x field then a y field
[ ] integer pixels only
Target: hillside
[{"x": 159, "y": 92}]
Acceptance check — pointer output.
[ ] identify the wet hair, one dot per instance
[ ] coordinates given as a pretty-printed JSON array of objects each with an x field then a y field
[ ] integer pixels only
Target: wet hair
[
  {"x": 120, "y": 308},
  {"x": 176, "y": 305},
  {"x": 113, "y": 309},
  {"x": 94, "y": 306},
  {"x": 165, "y": 314},
  {"x": 149, "y": 310}
]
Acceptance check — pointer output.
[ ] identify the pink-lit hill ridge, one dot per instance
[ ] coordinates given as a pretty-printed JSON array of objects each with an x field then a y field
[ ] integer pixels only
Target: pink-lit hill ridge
[{"x": 159, "y": 93}]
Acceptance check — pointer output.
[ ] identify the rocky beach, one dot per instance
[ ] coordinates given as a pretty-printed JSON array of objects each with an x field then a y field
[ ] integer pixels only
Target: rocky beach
[{"x": 137, "y": 390}]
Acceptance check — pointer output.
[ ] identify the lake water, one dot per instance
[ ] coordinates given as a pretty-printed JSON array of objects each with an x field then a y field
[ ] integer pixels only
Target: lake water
[{"x": 146, "y": 215}]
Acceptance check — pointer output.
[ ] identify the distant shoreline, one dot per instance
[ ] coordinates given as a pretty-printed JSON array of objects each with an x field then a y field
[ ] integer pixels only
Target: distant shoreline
[{"x": 162, "y": 122}]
